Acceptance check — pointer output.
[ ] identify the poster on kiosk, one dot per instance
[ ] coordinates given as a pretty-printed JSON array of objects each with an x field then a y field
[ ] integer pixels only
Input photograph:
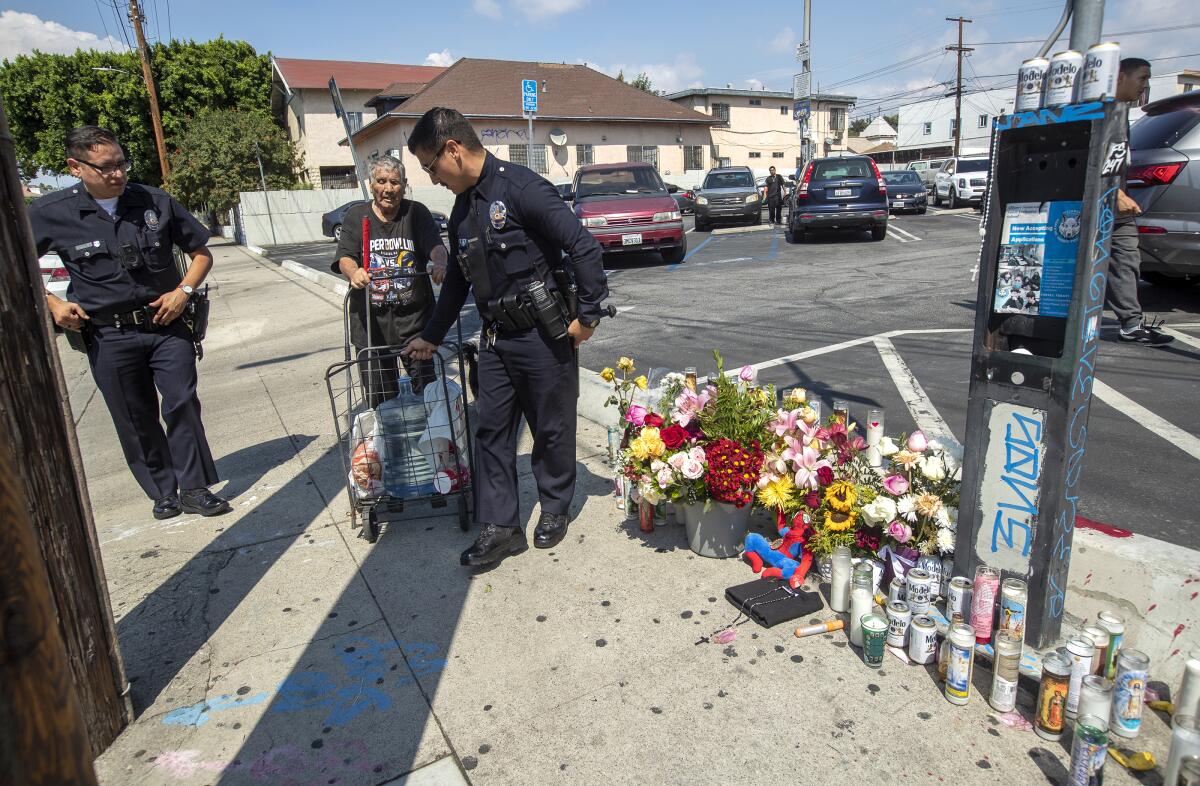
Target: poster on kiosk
[{"x": 1036, "y": 265}]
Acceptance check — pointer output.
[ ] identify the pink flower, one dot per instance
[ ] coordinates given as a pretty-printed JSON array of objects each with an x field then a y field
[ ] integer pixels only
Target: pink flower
[
  {"x": 895, "y": 485},
  {"x": 687, "y": 405},
  {"x": 697, "y": 453},
  {"x": 917, "y": 442},
  {"x": 784, "y": 421},
  {"x": 747, "y": 374},
  {"x": 900, "y": 531},
  {"x": 636, "y": 414},
  {"x": 692, "y": 469},
  {"x": 806, "y": 461},
  {"x": 676, "y": 460}
]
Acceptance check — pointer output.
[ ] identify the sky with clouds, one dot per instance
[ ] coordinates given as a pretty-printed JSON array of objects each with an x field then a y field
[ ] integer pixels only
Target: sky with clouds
[{"x": 881, "y": 51}]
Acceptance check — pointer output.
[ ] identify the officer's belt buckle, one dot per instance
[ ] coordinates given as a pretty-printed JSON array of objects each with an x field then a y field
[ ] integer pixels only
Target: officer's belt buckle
[{"x": 139, "y": 316}]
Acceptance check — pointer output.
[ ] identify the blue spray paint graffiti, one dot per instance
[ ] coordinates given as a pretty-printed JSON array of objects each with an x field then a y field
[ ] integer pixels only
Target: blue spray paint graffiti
[
  {"x": 1047, "y": 116},
  {"x": 1022, "y": 468},
  {"x": 366, "y": 671}
]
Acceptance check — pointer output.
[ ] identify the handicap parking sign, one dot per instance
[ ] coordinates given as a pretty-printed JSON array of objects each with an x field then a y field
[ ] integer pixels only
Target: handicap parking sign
[{"x": 529, "y": 96}]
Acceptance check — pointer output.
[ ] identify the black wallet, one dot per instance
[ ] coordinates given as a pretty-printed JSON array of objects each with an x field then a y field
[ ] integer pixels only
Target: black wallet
[{"x": 770, "y": 602}]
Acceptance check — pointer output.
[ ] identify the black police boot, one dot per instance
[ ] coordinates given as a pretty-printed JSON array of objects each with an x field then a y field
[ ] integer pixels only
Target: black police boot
[
  {"x": 494, "y": 544},
  {"x": 167, "y": 507},
  {"x": 202, "y": 501},
  {"x": 551, "y": 529}
]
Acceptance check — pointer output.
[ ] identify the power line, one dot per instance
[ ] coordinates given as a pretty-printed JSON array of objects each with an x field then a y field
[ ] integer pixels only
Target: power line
[
  {"x": 170, "y": 32},
  {"x": 1169, "y": 29},
  {"x": 102, "y": 22},
  {"x": 157, "y": 21}
]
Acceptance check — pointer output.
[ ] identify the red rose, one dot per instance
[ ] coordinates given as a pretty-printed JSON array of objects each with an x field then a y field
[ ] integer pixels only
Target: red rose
[
  {"x": 654, "y": 420},
  {"x": 824, "y": 475},
  {"x": 813, "y": 500},
  {"x": 672, "y": 436}
]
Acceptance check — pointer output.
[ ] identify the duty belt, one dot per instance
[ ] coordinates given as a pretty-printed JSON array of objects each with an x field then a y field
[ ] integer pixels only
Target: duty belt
[{"x": 139, "y": 317}]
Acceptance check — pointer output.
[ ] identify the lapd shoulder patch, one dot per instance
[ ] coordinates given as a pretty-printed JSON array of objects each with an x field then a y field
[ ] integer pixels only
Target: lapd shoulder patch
[
  {"x": 498, "y": 214},
  {"x": 151, "y": 220}
]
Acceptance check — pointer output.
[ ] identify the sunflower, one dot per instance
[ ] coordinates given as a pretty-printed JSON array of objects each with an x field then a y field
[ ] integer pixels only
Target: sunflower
[
  {"x": 841, "y": 495},
  {"x": 778, "y": 494},
  {"x": 839, "y": 522}
]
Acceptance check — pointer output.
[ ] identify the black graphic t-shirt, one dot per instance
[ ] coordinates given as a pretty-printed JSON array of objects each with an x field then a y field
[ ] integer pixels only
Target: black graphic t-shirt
[{"x": 401, "y": 303}]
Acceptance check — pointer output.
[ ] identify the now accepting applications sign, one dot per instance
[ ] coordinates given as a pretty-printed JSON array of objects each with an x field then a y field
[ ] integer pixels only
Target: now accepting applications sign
[{"x": 1012, "y": 474}]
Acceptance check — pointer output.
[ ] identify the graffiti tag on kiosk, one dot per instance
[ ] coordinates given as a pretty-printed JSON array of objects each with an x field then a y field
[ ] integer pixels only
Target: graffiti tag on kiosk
[
  {"x": 1011, "y": 480},
  {"x": 499, "y": 134}
]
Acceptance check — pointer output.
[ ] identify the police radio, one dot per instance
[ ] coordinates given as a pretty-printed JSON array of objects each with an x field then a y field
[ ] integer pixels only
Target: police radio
[{"x": 546, "y": 310}]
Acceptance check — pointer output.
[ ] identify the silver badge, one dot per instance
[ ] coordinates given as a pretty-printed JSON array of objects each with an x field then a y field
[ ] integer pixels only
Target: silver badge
[
  {"x": 151, "y": 220},
  {"x": 498, "y": 214}
]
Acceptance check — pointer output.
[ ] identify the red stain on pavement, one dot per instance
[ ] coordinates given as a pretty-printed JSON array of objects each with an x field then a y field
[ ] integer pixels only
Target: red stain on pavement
[
  {"x": 1173, "y": 653},
  {"x": 1153, "y": 606},
  {"x": 1087, "y": 580},
  {"x": 1194, "y": 594},
  {"x": 1178, "y": 629},
  {"x": 1106, "y": 529}
]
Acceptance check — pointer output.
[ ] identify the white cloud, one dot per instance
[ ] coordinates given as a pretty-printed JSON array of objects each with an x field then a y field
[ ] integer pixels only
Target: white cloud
[
  {"x": 783, "y": 41},
  {"x": 754, "y": 84},
  {"x": 22, "y": 33},
  {"x": 442, "y": 58},
  {"x": 489, "y": 8},
  {"x": 669, "y": 77}
]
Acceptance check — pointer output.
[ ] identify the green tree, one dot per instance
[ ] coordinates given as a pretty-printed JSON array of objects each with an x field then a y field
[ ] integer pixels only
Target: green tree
[
  {"x": 46, "y": 95},
  {"x": 215, "y": 158},
  {"x": 893, "y": 121},
  {"x": 859, "y": 125},
  {"x": 642, "y": 82}
]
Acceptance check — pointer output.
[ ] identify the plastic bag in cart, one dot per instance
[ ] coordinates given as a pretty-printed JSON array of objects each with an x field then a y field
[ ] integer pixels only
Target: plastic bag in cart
[
  {"x": 445, "y": 431},
  {"x": 366, "y": 456}
]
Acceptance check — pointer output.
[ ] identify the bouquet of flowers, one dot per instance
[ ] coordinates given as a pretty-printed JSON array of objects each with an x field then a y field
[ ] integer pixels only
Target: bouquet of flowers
[{"x": 917, "y": 504}]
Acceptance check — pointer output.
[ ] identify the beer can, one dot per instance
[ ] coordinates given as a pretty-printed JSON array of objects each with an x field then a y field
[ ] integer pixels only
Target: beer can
[
  {"x": 1014, "y": 597},
  {"x": 1088, "y": 752},
  {"x": 922, "y": 639},
  {"x": 1098, "y": 79},
  {"x": 961, "y": 659},
  {"x": 1005, "y": 672},
  {"x": 958, "y": 599},
  {"x": 1031, "y": 84},
  {"x": 983, "y": 601},
  {"x": 1129, "y": 687},
  {"x": 1061, "y": 77},
  {"x": 1052, "y": 696},
  {"x": 899, "y": 616},
  {"x": 918, "y": 591},
  {"x": 1099, "y": 639},
  {"x": 933, "y": 566},
  {"x": 1114, "y": 625},
  {"x": 1189, "y": 771},
  {"x": 1081, "y": 651},
  {"x": 896, "y": 589},
  {"x": 947, "y": 574}
]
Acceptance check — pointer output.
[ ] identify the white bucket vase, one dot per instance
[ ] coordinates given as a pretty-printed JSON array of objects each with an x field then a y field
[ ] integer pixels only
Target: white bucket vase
[{"x": 718, "y": 532}]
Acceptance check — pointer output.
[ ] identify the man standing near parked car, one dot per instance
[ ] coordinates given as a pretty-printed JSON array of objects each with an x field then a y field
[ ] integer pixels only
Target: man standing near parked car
[
  {"x": 774, "y": 197},
  {"x": 1124, "y": 266}
]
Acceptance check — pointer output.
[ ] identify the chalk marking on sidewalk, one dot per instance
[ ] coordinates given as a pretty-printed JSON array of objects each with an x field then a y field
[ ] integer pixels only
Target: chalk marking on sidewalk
[
  {"x": 919, "y": 405},
  {"x": 1184, "y": 440}
]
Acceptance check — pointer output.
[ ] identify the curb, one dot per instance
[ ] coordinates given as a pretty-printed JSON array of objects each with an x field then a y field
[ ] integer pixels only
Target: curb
[{"x": 327, "y": 280}]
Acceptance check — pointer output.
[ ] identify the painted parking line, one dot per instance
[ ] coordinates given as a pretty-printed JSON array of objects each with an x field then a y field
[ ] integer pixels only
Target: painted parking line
[
  {"x": 1186, "y": 338},
  {"x": 1184, "y": 440},
  {"x": 923, "y": 411},
  {"x": 895, "y": 236},
  {"x": 904, "y": 232}
]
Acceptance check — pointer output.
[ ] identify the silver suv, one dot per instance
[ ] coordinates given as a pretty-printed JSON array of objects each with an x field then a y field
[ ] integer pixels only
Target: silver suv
[
  {"x": 1164, "y": 178},
  {"x": 961, "y": 181},
  {"x": 728, "y": 194}
]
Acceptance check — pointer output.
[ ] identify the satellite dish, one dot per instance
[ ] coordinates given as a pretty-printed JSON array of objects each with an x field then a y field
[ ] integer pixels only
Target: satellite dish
[{"x": 558, "y": 137}]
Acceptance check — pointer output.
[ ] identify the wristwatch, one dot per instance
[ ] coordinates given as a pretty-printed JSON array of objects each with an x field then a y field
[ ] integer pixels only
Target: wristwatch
[{"x": 187, "y": 290}]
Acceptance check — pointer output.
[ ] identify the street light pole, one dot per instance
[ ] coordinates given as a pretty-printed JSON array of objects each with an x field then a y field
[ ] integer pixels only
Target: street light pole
[{"x": 136, "y": 18}]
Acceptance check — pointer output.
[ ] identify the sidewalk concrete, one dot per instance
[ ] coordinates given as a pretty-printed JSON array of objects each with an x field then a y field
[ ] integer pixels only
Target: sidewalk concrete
[{"x": 271, "y": 646}]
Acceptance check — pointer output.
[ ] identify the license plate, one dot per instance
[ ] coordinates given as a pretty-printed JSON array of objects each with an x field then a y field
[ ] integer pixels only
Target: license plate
[
  {"x": 898, "y": 203},
  {"x": 631, "y": 240},
  {"x": 837, "y": 192}
]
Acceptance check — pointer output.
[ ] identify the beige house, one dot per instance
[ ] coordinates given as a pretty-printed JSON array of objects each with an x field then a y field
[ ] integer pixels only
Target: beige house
[
  {"x": 300, "y": 98},
  {"x": 584, "y": 117},
  {"x": 755, "y": 128}
]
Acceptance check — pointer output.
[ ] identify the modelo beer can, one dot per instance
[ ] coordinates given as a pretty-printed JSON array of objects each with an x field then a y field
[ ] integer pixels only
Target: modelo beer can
[
  {"x": 918, "y": 591},
  {"x": 1031, "y": 84},
  {"x": 922, "y": 639},
  {"x": 1014, "y": 597},
  {"x": 961, "y": 659},
  {"x": 1088, "y": 752},
  {"x": 896, "y": 590},
  {"x": 1061, "y": 76},
  {"x": 1005, "y": 672},
  {"x": 1098, "y": 79},
  {"x": 958, "y": 599},
  {"x": 1052, "y": 696},
  {"x": 1081, "y": 651},
  {"x": 1114, "y": 625},
  {"x": 1128, "y": 689},
  {"x": 899, "y": 616}
]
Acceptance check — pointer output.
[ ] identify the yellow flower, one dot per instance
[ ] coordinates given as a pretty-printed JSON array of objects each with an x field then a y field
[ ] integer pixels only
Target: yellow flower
[
  {"x": 608, "y": 375},
  {"x": 778, "y": 493},
  {"x": 839, "y": 522},
  {"x": 841, "y": 495},
  {"x": 647, "y": 445},
  {"x": 642, "y": 382},
  {"x": 928, "y": 505},
  {"x": 906, "y": 459},
  {"x": 625, "y": 364}
]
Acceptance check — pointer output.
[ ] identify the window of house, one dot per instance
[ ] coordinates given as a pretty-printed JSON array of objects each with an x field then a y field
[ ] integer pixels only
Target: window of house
[
  {"x": 926, "y": 129},
  {"x": 755, "y": 154},
  {"x": 338, "y": 177},
  {"x": 355, "y": 121},
  {"x": 952, "y": 128},
  {"x": 519, "y": 154},
  {"x": 584, "y": 155},
  {"x": 693, "y": 157},
  {"x": 777, "y": 154},
  {"x": 983, "y": 120},
  {"x": 645, "y": 154},
  {"x": 755, "y": 102},
  {"x": 783, "y": 110},
  {"x": 721, "y": 112},
  {"x": 837, "y": 119}
]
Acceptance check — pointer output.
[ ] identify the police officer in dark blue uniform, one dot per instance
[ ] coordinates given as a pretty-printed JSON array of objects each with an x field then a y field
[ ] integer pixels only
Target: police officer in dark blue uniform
[
  {"x": 508, "y": 231},
  {"x": 126, "y": 298}
]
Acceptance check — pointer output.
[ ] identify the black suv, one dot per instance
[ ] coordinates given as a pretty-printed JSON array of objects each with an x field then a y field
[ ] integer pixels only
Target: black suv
[{"x": 846, "y": 192}]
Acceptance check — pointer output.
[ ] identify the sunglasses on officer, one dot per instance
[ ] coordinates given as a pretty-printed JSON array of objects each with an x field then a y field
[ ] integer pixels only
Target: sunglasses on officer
[
  {"x": 432, "y": 165},
  {"x": 123, "y": 165}
]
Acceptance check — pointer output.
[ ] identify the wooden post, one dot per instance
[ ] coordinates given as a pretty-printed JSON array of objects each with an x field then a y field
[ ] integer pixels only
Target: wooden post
[
  {"x": 35, "y": 419},
  {"x": 136, "y": 19}
]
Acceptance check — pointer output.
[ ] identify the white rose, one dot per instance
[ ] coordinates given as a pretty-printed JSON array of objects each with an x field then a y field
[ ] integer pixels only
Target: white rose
[
  {"x": 880, "y": 511},
  {"x": 651, "y": 495},
  {"x": 692, "y": 469},
  {"x": 933, "y": 468},
  {"x": 888, "y": 446},
  {"x": 665, "y": 477}
]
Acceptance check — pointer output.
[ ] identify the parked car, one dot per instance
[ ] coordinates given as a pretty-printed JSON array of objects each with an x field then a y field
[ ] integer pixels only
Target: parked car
[
  {"x": 846, "y": 192},
  {"x": 564, "y": 190},
  {"x": 785, "y": 191},
  {"x": 684, "y": 198},
  {"x": 627, "y": 207},
  {"x": 55, "y": 277},
  {"x": 1164, "y": 179},
  {"x": 331, "y": 222},
  {"x": 961, "y": 181},
  {"x": 728, "y": 194},
  {"x": 927, "y": 170},
  {"x": 905, "y": 191}
]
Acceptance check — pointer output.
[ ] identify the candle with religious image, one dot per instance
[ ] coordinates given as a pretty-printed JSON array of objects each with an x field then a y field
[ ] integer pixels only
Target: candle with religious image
[{"x": 874, "y": 435}]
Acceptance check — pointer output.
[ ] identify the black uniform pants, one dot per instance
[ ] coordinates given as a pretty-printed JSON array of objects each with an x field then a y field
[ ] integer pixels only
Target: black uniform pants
[
  {"x": 1124, "y": 267},
  {"x": 775, "y": 210},
  {"x": 531, "y": 375},
  {"x": 379, "y": 370},
  {"x": 133, "y": 366}
]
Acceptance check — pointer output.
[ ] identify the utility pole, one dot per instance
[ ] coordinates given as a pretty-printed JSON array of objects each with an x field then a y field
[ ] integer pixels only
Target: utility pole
[
  {"x": 958, "y": 87},
  {"x": 136, "y": 18}
]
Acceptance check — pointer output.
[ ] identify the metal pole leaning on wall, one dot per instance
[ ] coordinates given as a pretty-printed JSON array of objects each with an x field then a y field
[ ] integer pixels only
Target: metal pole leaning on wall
[{"x": 262, "y": 177}]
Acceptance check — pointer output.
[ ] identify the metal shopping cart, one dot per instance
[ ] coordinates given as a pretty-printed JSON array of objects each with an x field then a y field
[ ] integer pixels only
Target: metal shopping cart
[{"x": 401, "y": 444}]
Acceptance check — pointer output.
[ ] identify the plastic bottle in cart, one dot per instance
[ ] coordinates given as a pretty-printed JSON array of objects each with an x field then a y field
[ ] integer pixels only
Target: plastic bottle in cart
[{"x": 406, "y": 468}]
